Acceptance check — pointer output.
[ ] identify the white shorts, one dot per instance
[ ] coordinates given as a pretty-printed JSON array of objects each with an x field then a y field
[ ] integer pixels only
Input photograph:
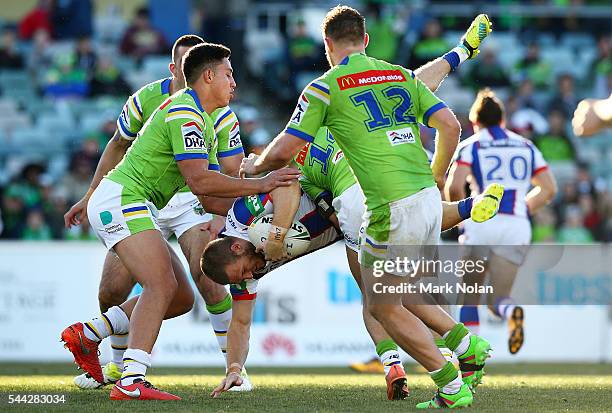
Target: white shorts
[
  {"x": 350, "y": 208},
  {"x": 182, "y": 212},
  {"x": 506, "y": 235},
  {"x": 400, "y": 229},
  {"x": 115, "y": 213}
]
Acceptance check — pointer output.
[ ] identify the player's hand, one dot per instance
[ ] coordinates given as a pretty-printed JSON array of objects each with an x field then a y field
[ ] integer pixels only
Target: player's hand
[
  {"x": 214, "y": 226},
  {"x": 280, "y": 177},
  {"x": 77, "y": 214},
  {"x": 274, "y": 250},
  {"x": 585, "y": 121},
  {"x": 232, "y": 379},
  {"x": 247, "y": 166}
]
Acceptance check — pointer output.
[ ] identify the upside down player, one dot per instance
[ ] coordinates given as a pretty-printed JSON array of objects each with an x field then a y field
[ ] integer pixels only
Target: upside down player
[
  {"x": 373, "y": 109},
  {"x": 182, "y": 216},
  {"x": 495, "y": 154},
  {"x": 172, "y": 150},
  {"x": 233, "y": 258}
]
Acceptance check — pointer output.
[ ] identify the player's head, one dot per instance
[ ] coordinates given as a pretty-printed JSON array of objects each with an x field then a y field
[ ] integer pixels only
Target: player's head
[
  {"x": 179, "y": 48},
  {"x": 207, "y": 65},
  {"x": 487, "y": 110},
  {"x": 231, "y": 260},
  {"x": 343, "y": 30}
]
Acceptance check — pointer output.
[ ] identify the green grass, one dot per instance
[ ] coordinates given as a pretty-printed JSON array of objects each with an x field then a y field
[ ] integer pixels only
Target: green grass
[{"x": 523, "y": 388}]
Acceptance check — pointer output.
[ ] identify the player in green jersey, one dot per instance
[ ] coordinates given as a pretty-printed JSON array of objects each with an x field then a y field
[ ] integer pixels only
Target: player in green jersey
[
  {"x": 172, "y": 150},
  {"x": 182, "y": 216},
  {"x": 373, "y": 109}
]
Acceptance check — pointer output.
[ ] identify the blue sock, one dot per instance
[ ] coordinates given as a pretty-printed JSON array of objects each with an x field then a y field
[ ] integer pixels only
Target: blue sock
[
  {"x": 453, "y": 59},
  {"x": 465, "y": 207},
  {"x": 468, "y": 315}
]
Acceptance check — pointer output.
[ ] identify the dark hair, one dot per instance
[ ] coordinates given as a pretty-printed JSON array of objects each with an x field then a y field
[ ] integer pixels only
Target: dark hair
[
  {"x": 343, "y": 23},
  {"x": 201, "y": 57},
  {"x": 188, "y": 40},
  {"x": 487, "y": 109},
  {"x": 217, "y": 255}
]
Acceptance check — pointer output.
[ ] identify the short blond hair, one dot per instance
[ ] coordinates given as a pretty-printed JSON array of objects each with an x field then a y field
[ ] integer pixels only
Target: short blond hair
[{"x": 344, "y": 24}]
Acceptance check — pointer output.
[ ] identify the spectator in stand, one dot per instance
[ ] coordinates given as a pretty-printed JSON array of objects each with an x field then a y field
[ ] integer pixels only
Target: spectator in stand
[
  {"x": 36, "y": 228},
  {"x": 544, "y": 223},
  {"x": 430, "y": 46},
  {"x": 40, "y": 58},
  {"x": 76, "y": 182},
  {"x": 555, "y": 145},
  {"x": 65, "y": 78},
  {"x": 601, "y": 68},
  {"x": 593, "y": 220},
  {"x": 253, "y": 136},
  {"x": 108, "y": 80},
  {"x": 524, "y": 120},
  {"x": 383, "y": 37},
  {"x": 25, "y": 192},
  {"x": 39, "y": 18},
  {"x": 141, "y": 39},
  {"x": 85, "y": 56},
  {"x": 565, "y": 98},
  {"x": 534, "y": 68},
  {"x": 10, "y": 57},
  {"x": 573, "y": 231},
  {"x": 487, "y": 73},
  {"x": 303, "y": 52}
]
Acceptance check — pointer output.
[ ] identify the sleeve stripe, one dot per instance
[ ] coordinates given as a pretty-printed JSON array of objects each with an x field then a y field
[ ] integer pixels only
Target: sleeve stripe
[
  {"x": 244, "y": 297},
  {"x": 134, "y": 110},
  {"x": 460, "y": 162},
  {"x": 224, "y": 122},
  {"x": 299, "y": 134},
  {"x": 183, "y": 109},
  {"x": 540, "y": 169},
  {"x": 185, "y": 115},
  {"x": 225, "y": 115},
  {"x": 431, "y": 111},
  {"x": 317, "y": 93},
  {"x": 213, "y": 167},
  {"x": 185, "y": 156},
  {"x": 137, "y": 104},
  {"x": 231, "y": 152},
  {"x": 124, "y": 131},
  {"x": 320, "y": 87}
]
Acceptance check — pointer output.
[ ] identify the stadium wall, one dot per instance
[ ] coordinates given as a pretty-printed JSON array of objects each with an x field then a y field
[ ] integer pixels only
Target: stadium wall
[{"x": 308, "y": 313}]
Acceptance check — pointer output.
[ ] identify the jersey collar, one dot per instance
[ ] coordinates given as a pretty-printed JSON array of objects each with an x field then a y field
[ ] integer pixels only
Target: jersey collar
[
  {"x": 194, "y": 95},
  {"x": 165, "y": 86},
  {"x": 346, "y": 59}
]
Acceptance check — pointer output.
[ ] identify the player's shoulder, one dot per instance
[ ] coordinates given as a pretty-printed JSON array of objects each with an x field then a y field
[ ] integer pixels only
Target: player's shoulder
[
  {"x": 513, "y": 136},
  {"x": 223, "y": 117},
  {"x": 154, "y": 89},
  {"x": 470, "y": 141},
  {"x": 183, "y": 104}
]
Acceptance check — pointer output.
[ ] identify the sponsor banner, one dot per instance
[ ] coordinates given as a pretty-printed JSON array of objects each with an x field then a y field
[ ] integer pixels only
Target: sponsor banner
[
  {"x": 370, "y": 77},
  {"x": 308, "y": 312}
]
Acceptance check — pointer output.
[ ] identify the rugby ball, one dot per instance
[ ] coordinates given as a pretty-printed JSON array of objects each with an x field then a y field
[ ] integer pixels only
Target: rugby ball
[{"x": 297, "y": 239}]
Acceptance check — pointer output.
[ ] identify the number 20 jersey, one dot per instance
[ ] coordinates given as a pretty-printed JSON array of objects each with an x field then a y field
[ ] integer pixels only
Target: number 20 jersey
[
  {"x": 498, "y": 155},
  {"x": 373, "y": 109}
]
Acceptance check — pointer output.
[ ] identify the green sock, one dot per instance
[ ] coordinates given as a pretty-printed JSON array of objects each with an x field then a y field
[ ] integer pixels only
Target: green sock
[
  {"x": 455, "y": 335},
  {"x": 440, "y": 343},
  {"x": 445, "y": 375},
  {"x": 221, "y": 307},
  {"x": 385, "y": 345}
]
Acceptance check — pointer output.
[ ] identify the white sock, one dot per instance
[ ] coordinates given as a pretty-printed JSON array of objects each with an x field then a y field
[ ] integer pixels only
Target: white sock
[
  {"x": 454, "y": 386},
  {"x": 505, "y": 308},
  {"x": 220, "y": 324},
  {"x": 114, "y": 321},
  {"x": 463, "y": 54},
  {"x": 135, "y": 363},
  {"x": 118, "y": 346},
  {"x": 463, "y": 345},
  {"x": 390, "y": 358}
]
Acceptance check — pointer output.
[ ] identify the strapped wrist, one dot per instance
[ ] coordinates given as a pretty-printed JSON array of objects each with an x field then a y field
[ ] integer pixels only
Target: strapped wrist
[
  {"x": 277, "y": 233},
  {"x": 234, "y": 368}
]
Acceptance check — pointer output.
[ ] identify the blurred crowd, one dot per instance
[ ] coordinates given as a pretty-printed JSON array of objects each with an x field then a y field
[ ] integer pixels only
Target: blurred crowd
[{"x": 55, "y": 69}]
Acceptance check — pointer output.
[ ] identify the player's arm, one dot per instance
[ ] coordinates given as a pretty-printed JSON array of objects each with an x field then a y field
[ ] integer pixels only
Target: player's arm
[
  {"x": 543, "y": 191},
  {"x": 238, "y": 336},
  {"x": 276, "y": 155},
  {"x": 286, "y": 201},
  {"x": 454, "y": 189},
  {"x": 448, "y": 131}
]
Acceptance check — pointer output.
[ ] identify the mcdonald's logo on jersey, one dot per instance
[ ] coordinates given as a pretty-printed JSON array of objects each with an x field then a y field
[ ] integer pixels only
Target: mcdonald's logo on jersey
[{"x": 370, "y": 77}]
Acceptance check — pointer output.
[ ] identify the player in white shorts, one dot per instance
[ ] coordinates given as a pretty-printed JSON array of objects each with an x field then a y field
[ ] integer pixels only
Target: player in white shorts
[{"x": 496, "y": 155}]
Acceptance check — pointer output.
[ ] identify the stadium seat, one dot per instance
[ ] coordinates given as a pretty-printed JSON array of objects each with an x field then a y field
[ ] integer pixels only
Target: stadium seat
[{"x": 156, "y": 66}]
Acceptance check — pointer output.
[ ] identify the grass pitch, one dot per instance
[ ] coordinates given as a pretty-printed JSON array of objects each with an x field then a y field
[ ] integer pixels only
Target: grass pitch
[{"x": 523, "y": 388}]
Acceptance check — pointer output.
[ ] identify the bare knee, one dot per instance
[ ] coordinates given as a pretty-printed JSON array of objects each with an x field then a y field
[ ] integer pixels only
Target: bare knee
[{"x": 109, "y": 297}]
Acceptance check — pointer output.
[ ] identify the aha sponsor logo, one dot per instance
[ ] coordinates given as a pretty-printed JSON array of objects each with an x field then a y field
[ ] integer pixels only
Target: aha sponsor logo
[
  {"x": 193, "y": 139},
  {"x": 235, "y": 142},
  {"x": 401, "y": 136},
  {"x": 274, "y": 343},
  {"x": 300, "y": 109},
  {"x": 370, "y": 77},
  {"x": 300, "y": 158}
]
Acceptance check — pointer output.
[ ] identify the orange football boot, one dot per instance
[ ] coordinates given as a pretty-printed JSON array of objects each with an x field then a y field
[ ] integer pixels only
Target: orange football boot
[
  {"x": 84, "y": 350},
  {"x": 397, "y": 387}
]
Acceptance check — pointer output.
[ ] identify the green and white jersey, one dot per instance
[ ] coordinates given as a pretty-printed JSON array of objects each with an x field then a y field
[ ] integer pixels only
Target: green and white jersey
[
  {"x": 372, "y": 108},
  {"x": 323, "y": 166},
  {"x": 140, "y": 106},
  {"x": 178, "y": 130}
]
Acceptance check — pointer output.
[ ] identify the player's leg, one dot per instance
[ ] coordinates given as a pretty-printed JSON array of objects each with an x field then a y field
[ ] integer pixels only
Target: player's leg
[
  {"x": 502, "y": 275},
  {"x": 386, "y": 349},
  {"x": 115, "y": 286}
]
